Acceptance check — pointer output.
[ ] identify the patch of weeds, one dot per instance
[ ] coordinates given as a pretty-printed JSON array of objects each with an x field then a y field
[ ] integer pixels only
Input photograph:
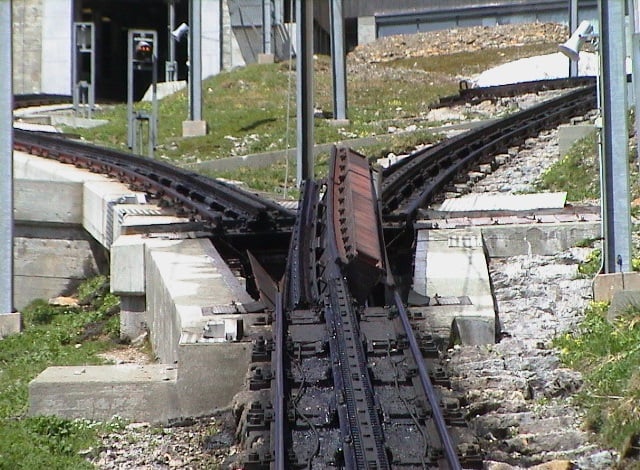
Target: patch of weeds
[
  {"x": 576, "y": 173},
  {"x": 607, "y": 354},
  {"x": 587, "y": 242},
  {"x": 591, "y": 266},
  {"x": 51, "y": 335}
]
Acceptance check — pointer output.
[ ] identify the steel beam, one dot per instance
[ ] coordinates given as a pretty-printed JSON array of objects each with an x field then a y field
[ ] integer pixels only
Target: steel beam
[
  {"x": 304, "y": 90},
  {"x": 6, "y": 155},
  {"x": 338, "y": 61},
  {"x": 171, "y": 66},
  {"x": 195, "y": 60},
  {"x": 267, "y": 27},
  {"x": 614, "y": 138},
  {"x": 573, "y": 24}
]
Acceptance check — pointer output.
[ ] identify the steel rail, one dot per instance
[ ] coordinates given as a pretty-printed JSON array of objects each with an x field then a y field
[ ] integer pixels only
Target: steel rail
[
  {"x": 279, "y": 410},
  {"x": 27, "y": 100},
  {"x": 300, "y": 278},
  {"x": 468, "y": 94},
  {"x": 448, "y": 445}
]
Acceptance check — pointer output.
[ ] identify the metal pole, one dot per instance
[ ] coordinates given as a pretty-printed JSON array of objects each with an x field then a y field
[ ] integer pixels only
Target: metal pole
[
  {"x": 266, "y": 27},
  {"x": 573, "y": 24},
  {"x": 338, "y": 61},
  {"x": 615, "y": 138},
  {"x": 171, "y": 67},
  {"x": 304, "y": 92},
  {"x": 153, "y": 123},
  {"x": 92, "y": 85},
  {"x": 634, "y": 19},
  {"x": 6, "y": 154},
  {"x": 130, "y": 118},
  {"x": 195, "y": 60}
]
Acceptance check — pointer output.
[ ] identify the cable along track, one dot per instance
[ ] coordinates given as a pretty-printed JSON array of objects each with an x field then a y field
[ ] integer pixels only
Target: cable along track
[{"x": 356, "y": 390}]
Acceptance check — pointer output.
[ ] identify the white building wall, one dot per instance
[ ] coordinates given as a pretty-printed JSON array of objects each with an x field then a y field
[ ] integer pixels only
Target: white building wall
[
  {"x": 211, "y": 35},
  {"x": 57, "y": 19}
]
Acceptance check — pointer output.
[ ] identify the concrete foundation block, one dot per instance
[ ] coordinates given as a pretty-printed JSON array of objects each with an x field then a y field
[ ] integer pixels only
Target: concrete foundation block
[
  {"x": 130, "y": 391},
  {"x": 133, "y": 316},
  {"x": 465, "y": 324},
  {"x": 266, "y": 58},
  {"x": 215, "y": 371},
  {"x": 128, "y": 266},
  {"x": 605, "y": 286},
  {"x": 570, "y": 134},
  {"x": 46, "y": 268},
  {"x": 623, "y": 302},
  {"x": 536, "y": 239},
  {"x": 473, "y": 331},
  {"x": 99, "y": 198},
  {"x": 366, "y": 29},
  {"x": 64, "y": 201},
  {"x": 10, "y": 323},
  {"x": 194, "y": 128}
]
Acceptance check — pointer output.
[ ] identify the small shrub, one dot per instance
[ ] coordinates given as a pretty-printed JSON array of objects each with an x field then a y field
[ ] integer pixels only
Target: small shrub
[
  {"x": 591, "y": 266},
  {"x": 608, "y": 355}
]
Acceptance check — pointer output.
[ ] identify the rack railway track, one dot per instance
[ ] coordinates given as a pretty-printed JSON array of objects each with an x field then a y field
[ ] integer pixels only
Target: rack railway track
[
  {"x": 357, "y": 391},
  {"x": 219, "y": 206},
  {"x": 344, "y": 381}
]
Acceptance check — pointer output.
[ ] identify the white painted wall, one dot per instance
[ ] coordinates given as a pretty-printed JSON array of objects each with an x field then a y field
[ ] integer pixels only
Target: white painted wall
[
  {"x": 211, "y": 34},
  {"x": 56, "y": 46}
]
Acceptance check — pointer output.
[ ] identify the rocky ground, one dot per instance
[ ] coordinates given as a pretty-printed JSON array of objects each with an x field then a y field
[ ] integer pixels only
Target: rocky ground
[{"x": 519, "y": 396}]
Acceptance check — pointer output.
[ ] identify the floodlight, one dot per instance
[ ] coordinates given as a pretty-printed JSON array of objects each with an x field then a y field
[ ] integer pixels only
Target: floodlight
[
  {"x": 571, "y": 48},
  {"x": 180, "y": 31}
]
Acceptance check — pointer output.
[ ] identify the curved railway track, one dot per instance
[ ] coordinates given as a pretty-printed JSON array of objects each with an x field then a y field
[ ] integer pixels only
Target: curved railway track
[
  {"x": 416, "y": 180},
  {"x": 344, "y": 381},
  {"x": 220, "y": 206}
]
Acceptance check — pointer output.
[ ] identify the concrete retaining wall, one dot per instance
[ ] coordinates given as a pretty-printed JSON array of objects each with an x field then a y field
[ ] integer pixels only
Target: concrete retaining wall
[
  {"x": 536, "y": 239},
  {"x": 172, "y": 284}
]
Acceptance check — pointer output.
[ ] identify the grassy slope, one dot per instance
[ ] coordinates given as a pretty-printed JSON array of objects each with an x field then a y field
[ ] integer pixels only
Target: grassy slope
[{"x": 51, "y": 336}]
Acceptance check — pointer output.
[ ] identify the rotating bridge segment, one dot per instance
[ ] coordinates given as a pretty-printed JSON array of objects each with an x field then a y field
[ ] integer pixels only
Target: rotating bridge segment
[{"x": 355, "y": 218}]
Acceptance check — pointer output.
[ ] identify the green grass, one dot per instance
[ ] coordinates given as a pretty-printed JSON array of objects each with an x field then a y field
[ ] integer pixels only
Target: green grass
[
  {"x": 252, "y": 109},
  {"x": 576, "y": 173},
  {"x": 608, "y": 354},
  {"x": 52, "y": 335}
]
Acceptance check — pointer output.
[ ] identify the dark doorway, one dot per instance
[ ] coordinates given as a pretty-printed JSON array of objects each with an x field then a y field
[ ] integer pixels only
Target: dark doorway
[{"x": 113, "y": 19}]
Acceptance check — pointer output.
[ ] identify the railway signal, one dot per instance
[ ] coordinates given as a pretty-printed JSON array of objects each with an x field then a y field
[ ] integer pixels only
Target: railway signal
[{"x": 142, "y": 57}]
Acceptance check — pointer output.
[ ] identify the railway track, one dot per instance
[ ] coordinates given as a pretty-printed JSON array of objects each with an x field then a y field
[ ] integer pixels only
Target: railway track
[
  {"x": 417, "y": 180},
  {"x": 221, "y": 207},
  {"x": 351, "y": 386},
  {"x": 343, "y": 381}
]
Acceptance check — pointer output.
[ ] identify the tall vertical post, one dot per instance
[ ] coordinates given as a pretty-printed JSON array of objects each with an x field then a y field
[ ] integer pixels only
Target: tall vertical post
[
  {"x": 267, "y": 27},
  {"x": 9, "y": 321},
  {"x": 615, "y": 138},
  {"x": 304, "y": 90},
  {"x": 338, "y": 61},
  {"x": 634, "y": 54},
  {"x": 171, "y": 66},
  {"x": 195, "y": 60},
  {"x": 573, "y": 24}
]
